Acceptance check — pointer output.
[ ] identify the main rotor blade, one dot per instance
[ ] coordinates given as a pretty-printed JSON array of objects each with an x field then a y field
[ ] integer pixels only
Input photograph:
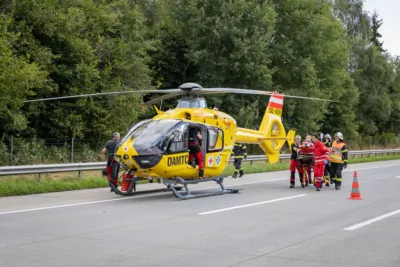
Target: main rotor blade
[
  {"x": 105, "y": 93},
  {"x": 205, "y": 91},
  {"x": 309, "y": 98},
  {"x": 157, "y": 99}
]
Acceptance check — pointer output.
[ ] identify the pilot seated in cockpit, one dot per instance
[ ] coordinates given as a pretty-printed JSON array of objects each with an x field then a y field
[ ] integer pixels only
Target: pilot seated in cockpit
[{"x": 196, "y": 153}]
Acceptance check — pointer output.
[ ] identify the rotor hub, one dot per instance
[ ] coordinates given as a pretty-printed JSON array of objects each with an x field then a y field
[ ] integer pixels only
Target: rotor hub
[{"x": 189, "y": 88}]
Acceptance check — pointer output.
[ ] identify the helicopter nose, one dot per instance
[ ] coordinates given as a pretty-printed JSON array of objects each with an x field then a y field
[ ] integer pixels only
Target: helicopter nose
[{"x": 127, "y": 150}]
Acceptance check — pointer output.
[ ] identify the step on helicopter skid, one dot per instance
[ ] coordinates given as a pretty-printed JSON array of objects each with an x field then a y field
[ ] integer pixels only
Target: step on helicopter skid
[{"x": 158, "y": 148}]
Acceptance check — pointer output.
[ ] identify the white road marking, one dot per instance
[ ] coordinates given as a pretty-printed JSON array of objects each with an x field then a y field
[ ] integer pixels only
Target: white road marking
[
  {"x": 369, "y": 168},
  {"x": 119, "y": 199},
  {"x": 397, "y": 177},
  {"x": 376, "y": 219},
  {"x": 76, "y": 204},
  {"x": 259, "y": 182},
  {"x": 250, "y": 205}
]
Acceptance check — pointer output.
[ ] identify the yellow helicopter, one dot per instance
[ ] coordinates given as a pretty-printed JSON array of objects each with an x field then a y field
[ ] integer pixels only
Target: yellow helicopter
[{"x": 159, "y": 148}]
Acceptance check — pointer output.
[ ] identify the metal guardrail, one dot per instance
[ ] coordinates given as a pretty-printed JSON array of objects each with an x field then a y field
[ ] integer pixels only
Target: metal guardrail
[{"x": 92, "y": 166}]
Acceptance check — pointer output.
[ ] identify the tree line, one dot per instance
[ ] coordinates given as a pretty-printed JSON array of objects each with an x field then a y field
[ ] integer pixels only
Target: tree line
[{"x": 319, "y": 48}]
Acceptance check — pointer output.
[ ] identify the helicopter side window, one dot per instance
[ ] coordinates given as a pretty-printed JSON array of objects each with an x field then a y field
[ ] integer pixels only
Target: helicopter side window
[
  {"x": 215, "y": 139},
  {"x": 178, "y": 141}
]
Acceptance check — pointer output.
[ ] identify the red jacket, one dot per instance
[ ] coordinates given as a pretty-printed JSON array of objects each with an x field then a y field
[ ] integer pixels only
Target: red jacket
[
  {"x": 320, "y": 152},
  {"x": 306, "y": 148}
]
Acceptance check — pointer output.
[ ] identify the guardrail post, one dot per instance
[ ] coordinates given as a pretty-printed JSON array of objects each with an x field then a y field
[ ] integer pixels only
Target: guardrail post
[
  {"x": 11, "y": 149},
  {"x": 72, "y": 150},
  {"x": 79, "y": 174}
]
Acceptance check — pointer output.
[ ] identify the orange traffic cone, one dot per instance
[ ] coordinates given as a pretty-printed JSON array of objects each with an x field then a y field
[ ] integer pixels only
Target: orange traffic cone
[{"x": 355, "y": 190}]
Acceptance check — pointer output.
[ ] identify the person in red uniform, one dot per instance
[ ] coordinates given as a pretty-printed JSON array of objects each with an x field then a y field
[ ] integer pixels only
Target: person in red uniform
[
  {"x": 320, "y": 155},
  {"x": 306, "y": 151},
  {"x": 294, "y": 163},
  {"x": 195, "y": 153}
]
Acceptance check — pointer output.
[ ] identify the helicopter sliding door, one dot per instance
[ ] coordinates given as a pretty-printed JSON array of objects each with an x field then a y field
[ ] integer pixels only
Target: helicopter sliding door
[
  {"x": 213, "y": 151},
  {"x": 179, "y": 139},
  {"x": 176, "y": 147},
  {"x": 211, "y": 145}
]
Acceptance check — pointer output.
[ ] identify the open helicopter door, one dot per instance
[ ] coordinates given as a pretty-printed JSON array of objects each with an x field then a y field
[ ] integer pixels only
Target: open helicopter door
[{"x": 203, "y": 143}]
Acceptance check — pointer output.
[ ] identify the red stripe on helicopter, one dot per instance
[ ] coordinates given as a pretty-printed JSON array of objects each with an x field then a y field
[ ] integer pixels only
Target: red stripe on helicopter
[
  {"x": 276, "y": 101},
  {"x": 275, "y": 105},
  {"x": 277, "y": 95}
]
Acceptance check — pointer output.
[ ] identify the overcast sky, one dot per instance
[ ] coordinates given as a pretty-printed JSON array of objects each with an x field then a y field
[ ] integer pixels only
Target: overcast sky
[{"x": 389, "y": 11}]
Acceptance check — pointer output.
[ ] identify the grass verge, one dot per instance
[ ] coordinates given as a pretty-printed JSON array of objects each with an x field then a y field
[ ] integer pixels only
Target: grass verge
[{"x": 13, "y": 186}]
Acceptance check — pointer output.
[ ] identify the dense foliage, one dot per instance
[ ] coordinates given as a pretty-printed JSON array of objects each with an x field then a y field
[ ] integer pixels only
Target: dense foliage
[{"x": 321, "y": 48}]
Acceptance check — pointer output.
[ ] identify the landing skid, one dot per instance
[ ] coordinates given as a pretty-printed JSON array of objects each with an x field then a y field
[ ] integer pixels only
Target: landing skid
[
  {"x": 172, "y": 186},
  {"x": 132, "y": 189},
  {"x": 188, "y": 195}
]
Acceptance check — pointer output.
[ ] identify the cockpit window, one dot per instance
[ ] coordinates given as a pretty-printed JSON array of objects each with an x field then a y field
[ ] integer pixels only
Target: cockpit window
[
  {"x": 152, "y": 133},
  {"x": 192, "y": 103},
  {"x": 133, "y": 129}
]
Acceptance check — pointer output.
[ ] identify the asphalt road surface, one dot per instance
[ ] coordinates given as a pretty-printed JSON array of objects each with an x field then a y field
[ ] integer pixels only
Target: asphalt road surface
[{"x": 266, "y": 224}]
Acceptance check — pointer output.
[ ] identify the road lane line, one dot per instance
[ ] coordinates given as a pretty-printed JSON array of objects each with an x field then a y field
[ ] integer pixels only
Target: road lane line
[
  {"x": 76, "y": 204},
  {"x": 397, "y": 177},
  {"x": 250, "y": 205},
  {"x": 376, "y": 219},
  {"x": 122, "y": 198},
  {"x": 258, "y": 182},
  {"x": 370, "y": 168}
]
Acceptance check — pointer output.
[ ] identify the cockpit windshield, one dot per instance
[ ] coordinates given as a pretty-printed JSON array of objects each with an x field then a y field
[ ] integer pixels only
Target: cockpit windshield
[
  {"x": 192, "y": 103},
  {"x": 133, "y": 129},
  {"x": 151, "y": 133}
]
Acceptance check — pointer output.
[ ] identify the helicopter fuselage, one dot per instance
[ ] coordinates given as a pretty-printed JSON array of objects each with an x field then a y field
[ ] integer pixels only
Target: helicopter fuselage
[{"x": 158, "y": 148}]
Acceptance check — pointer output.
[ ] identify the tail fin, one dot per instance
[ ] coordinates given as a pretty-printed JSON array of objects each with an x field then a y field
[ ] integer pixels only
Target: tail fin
[
  {"x": 272, "y": 135},
  {"x": 273, "y": 130}
]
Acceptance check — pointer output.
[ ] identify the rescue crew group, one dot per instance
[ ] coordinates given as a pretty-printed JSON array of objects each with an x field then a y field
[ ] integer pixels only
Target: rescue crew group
[
  {"x": 317, "y": 153},
  {"x": 327, "y": 158}
]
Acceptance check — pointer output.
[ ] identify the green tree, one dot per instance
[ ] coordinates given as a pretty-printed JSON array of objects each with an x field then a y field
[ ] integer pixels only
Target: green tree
[
  {"x": 228, "y": 42},
  {"x": 373, "y": 78},
  {"x": 393, "y": 124},
  {"x": 86, "y": 47},
  {"x": 376, "y": 24},
  {"x": 358, "y": 27},
  {"x": 18, "y": 77},
  {"x": 310, "y": 55}
]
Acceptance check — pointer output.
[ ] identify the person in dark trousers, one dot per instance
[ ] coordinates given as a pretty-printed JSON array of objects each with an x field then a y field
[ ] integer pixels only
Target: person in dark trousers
[
  {"x": 196, "y": 152},
  {"x": 338, "y": 158},
  {"x": 110, "y": 148},
  {"x": 327, "y": 177},
  {"x": 294, "y": 163},
  {"x": 239, "y": 152}
]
